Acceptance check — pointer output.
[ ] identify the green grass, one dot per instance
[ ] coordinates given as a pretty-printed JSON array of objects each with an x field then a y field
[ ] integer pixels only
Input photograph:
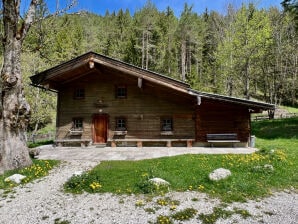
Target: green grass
[
  {"x": 290, "y": 109},
  {"x": 249, "y": 178},
  {"x": 286, "y": 129},
  {"x": 38, "y": 169},
  {"x": 39, "y": 143}
]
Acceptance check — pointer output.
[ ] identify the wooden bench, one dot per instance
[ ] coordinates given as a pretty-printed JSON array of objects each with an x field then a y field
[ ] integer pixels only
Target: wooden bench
[
  {"x": 222, "y": 138},
  {"x": 83, "y": 142},
  {"x": 261, "y": 118},
  {"x": 139, "y": 142}
]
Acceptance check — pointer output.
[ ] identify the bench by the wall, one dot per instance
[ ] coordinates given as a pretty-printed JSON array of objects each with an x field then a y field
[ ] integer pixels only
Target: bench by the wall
[
  {"x": 139, "y": 142},
  {"x": 222, "y": 138},
  {"x": 83, "y": 142}
]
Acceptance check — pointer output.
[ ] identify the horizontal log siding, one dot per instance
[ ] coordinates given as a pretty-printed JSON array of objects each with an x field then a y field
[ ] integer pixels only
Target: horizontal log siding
[
  {"x": 215, "y": 117},
  {"x": 143, "y": 108}
]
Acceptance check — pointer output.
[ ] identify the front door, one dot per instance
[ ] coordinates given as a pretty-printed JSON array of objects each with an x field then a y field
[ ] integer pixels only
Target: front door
[{"x": 100, "y": 128}]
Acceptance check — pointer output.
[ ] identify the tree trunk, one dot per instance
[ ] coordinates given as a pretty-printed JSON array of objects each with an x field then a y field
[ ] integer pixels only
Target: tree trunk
[
  {"x": 183, "y": 60},
  {"x": 147, "y": 50},
  {"x": 143, "y": 49},
  {"x": 247, "y": 80},
  {"x": 14, "y": 109}
]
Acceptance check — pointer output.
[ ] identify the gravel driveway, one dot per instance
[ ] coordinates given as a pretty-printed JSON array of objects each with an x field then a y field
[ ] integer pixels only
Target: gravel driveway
[{"x": 43, "y": 201}]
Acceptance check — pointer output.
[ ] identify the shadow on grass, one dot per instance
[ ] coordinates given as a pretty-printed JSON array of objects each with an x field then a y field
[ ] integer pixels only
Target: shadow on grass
[{"x": 273, "y": 129}]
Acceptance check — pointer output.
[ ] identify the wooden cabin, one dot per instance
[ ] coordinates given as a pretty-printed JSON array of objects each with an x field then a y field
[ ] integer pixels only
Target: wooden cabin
[{"x": 108, "y": 102}]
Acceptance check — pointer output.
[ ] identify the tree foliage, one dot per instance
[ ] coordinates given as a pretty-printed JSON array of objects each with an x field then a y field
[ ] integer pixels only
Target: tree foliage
[{"x": 246, "y": 52}]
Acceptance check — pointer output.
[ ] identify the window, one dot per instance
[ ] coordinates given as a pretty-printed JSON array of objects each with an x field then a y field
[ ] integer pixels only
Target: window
[
  {"x": 79, "y": 94},
  {"x": 120, "y": 124},
  {"x": 121, "y": 92},
  {"x": 77, "y": 124},
  {"x": 166, "y": 124}
]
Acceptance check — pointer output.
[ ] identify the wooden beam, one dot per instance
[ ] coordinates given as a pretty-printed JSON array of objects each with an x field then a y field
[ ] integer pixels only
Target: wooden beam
[
  {"x": 91, "y": 64},
  {"x": 140, "y": 83},
  {"x": 199, "y": 100}
]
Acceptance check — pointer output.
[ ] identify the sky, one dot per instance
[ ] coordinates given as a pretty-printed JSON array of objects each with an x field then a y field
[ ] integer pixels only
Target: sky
[{"x": 101, "y": 6}]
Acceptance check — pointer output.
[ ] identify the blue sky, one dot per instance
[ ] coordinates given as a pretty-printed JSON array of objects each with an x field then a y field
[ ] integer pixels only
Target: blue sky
[{"x": 199, "y": 6}]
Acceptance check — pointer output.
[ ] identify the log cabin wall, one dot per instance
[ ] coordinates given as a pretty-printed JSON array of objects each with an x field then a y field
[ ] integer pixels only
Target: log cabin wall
[
  {"x": 143, "y": 108},
  {"x": 216, "y": 117}
]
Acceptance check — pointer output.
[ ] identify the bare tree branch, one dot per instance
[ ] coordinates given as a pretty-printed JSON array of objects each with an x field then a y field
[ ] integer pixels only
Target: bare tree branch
[
  {"x": 66, "y": 8},
  {"x": 30, "y": 16},
  {"x": 29, "y": 19}
]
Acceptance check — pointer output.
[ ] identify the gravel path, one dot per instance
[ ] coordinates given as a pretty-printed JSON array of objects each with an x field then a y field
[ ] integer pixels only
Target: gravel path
[{"x": 44, "y": 202}]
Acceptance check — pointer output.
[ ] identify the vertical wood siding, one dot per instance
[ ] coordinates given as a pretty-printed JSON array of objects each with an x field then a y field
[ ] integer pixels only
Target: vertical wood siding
[{"x": 215, "y": 117}]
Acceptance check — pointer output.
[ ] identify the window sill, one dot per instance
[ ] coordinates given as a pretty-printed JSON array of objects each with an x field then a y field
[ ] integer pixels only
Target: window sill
[
  {"x": 120, "y": 132},
  {"x": 75, "y": 132},
  {"x": 166, "y": 133}
]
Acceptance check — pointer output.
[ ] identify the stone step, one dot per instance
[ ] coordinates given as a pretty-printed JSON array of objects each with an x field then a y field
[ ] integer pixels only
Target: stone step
[{"x": 100, "y": 145}]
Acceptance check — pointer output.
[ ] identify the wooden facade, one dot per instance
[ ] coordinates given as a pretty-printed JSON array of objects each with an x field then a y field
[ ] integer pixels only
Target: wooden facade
[
  {"x": 103, "y": 100},
  {"x": 218, "y": 117}
]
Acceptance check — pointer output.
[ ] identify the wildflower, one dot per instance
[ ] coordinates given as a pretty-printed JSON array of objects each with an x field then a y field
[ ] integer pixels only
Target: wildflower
[
  {"x": 139, "y": 203},
  {"x": 173, "y": 207},
  {"x": 145, "y": 175},
  {"x": 162, "y": 202},
  {"x": 95, "y": 185},
  {"x": 201, "y": 187}
]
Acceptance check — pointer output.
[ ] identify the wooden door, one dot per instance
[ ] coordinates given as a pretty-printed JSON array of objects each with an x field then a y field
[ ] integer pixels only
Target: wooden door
[{"x": 100, "y": 128}]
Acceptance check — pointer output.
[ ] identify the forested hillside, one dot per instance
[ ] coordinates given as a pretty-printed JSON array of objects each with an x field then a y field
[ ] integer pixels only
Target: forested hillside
[{"x": 247, "y": 53}]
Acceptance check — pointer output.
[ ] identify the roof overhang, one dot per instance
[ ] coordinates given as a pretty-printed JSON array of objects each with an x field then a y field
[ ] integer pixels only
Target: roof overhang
[
  {"x": 253, "y": 106},
  {"x": 87, "y": 63}
]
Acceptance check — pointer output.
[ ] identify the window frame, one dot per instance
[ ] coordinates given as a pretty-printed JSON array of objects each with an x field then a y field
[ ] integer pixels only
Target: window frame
[
  {"x": 164, "y": 123},
  {"x": 123, "y": 124},
  {"x": 75, "y": 122},
  {"x": 79, "y": 93},
  {"x": 122, "y": 89}
]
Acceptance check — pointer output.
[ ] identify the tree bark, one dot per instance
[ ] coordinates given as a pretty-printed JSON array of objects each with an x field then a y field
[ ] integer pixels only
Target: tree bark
[
  {"x": 143, "y": 49},
  {"x": 183, "y": 60},
  {"x": 14, "y": 109}
]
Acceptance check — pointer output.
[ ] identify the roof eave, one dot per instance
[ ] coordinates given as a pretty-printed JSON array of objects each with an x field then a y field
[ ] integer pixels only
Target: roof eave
[{"x": 239, "y": 101}]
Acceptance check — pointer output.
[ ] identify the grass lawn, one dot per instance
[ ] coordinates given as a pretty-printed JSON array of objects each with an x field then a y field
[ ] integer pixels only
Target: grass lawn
[
  {"x": 277, "y": 140},
  {"x": 38, "y": 169}
]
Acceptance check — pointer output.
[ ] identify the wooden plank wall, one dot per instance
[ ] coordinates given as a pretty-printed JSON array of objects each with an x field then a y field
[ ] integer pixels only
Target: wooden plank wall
[
  {"x": 215, "y": 117},
  {"x": 142, "y": 108}
]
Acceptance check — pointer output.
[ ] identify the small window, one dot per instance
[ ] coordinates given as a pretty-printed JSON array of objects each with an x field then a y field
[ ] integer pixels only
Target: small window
[
  {"x": 79, "y": 94},
  {"x": 120, "y": 124},
  {"x": 77, "y": 124},
  {"x": 166, "y": 124},
  {"x": 121, "y": 92}
]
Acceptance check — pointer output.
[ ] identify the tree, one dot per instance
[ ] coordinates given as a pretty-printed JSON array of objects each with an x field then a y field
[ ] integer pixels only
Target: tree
[
  {"x": 186, "y": 35},
  {"x": 145, "y": 21},
  {"x": 278, "y": 81},
  {"x": 42, "y": 103},
  {"x": 166, "y": 46},
  {"x": 225, "y": 55},
  {"x": 292, "y": 7},
  {"x": 14, "y": 109},
  {"x": 246, "y": 42},
  {"x": 209, "y": 81}
]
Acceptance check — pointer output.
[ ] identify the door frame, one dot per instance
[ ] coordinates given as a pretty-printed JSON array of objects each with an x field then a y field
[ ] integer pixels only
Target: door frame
[{"x": 94, "y": 116}]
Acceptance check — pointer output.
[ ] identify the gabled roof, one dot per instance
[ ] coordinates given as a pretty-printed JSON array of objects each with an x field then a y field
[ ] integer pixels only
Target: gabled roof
[{"x": 86, "y": 63}]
